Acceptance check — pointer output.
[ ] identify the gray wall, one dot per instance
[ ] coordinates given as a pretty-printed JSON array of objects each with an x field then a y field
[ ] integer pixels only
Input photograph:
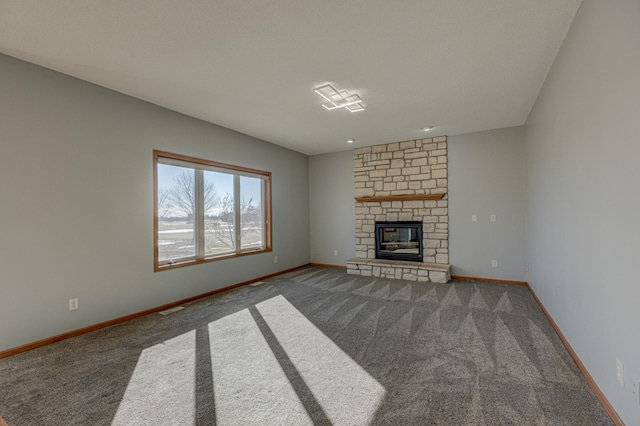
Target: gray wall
[
  {"x": 583, "y": 195},
  {"x": 332, "y": 207},
  {"x": 486, "y": 176},
  {"x": 76, "y": 206}
]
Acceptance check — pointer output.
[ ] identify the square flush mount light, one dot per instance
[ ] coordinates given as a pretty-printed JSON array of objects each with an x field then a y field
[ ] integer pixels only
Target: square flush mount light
[{"x": 339, "y": 98}]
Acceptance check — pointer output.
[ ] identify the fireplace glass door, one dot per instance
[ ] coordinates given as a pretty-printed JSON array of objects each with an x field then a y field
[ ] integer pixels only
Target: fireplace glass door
[{"x": 399, "y": 240}]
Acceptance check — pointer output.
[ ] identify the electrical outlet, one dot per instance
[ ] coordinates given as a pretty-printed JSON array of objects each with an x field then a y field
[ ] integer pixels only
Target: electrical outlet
[
  {"x": 494, "y": 263},
  {"x": 275, "y": 259},
  {"x": 636, "y": 392},
  {"x": 335, "y": 252},
  {"x": 620, "y": 372},
  {"x": 73, "y": 304},
  {"x": 492, "y": 218},
  {"x": 474, "y": 218}
]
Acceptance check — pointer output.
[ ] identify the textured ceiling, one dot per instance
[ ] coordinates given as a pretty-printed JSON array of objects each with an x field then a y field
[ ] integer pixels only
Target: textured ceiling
[{"x": 251, "y": 65}]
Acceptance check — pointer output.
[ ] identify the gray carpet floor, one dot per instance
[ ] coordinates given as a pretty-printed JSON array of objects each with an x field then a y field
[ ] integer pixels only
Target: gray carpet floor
[{"x": 314, "y": 346}]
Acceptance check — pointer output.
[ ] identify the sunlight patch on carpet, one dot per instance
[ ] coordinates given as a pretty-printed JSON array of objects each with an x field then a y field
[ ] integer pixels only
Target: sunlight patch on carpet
[
  {"x": 250, "y": 387},
  {"x": 344, "y": 390},
  {"x": 161, "y": 389}
]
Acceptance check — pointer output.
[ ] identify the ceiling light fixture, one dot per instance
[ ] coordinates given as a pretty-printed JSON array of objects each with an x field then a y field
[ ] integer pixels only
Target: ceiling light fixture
[
  {"x": 339, "y": 98},
  {"x": 427, "y": 128},
  {"x": 351, "y": 140}
]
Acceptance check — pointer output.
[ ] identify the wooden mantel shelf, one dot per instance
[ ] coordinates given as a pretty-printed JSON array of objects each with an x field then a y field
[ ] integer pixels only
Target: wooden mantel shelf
[{"x": 400, "y": 198}]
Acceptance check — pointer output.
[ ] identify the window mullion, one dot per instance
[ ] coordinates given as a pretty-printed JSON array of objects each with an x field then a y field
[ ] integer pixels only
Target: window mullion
[
  {"x": 236, "y": 212},
  {"x": 263, "y": 212},
  {"x": 199, "y": 213}
]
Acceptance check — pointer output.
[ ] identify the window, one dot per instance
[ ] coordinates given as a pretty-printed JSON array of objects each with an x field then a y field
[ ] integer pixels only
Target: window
[{"x": 206, "y": 211}]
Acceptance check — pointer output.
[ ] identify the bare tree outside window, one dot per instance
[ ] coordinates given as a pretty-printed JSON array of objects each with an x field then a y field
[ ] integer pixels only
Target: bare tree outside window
[
  {"x": 181, "y": 196},
  {"x": 223, "y": 225},
  {"x": 163, "y": 202}
]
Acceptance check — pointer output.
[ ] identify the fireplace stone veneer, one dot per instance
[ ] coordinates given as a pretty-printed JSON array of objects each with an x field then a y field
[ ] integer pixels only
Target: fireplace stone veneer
[{"x": 404, "y": 173}]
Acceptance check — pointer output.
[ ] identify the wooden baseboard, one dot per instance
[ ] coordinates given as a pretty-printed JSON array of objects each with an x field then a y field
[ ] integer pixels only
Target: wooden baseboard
[
  {"x": 80, "y": 331},
  {"x": 594, "y": 387},
  {"x": 490, "y": 280},
  {"x": 328, "y": 265}
]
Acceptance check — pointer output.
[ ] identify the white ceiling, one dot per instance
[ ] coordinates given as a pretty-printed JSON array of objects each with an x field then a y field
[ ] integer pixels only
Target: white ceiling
[{"x": 251, "y": 65}]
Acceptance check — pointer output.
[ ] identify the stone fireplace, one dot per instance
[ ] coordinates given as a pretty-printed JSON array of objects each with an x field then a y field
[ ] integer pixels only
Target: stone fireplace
[{"x": 402, "y": 182}]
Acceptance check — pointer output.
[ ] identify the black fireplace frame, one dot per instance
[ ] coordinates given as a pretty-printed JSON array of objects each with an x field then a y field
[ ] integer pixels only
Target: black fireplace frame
[{"x": 380, "y": 254}]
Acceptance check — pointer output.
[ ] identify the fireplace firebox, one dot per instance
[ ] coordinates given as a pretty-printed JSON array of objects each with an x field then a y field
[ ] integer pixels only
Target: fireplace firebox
[{"x": 399, "y": 240}]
